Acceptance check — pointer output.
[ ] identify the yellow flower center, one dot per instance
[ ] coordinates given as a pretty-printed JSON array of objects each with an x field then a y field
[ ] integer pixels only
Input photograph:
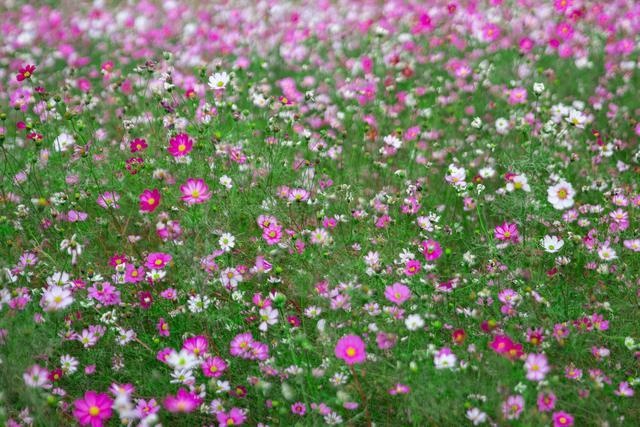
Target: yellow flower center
[
  {"x": 351, "y": 351},
  {"x": 94, "y": 411},
  {"x": 151, "y": 200}
]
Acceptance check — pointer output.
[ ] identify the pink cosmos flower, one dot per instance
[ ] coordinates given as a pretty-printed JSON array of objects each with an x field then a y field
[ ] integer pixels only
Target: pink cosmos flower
[
  {"x": 507, "y": 232},
  {"x": 546, "y": 402},
  {"x": 385, "y": 340},
  {"x": 197, "y": 345},
  {"x": 137, "y": 144},
  {"x": 513, "y": 407},
  {"x": 537, "y": 366},
  {"x": 163, "y": 328},
  {"x": 149, "y": 200},
  {"x": 183, "y": 401},
  {"x": 93, "y": 409},
  {"x": 562, "y": 419},
  {"x": 397, "y": 293},
  {"x": 517, "y": 96},
  {"x": 109, "y": 199},
  {"x": 234, "y": 417},
  {"x": 412, "y": 267},
  {"x": 157, "y": 260},
  {"x": 272, "y": 234},
  {"x": 490, "y": 32},
  {"x": 399, "y": 389},
  {"x": 214, "y": 367},
  {"x": 180, "y": 145},
  {"x": 195, "y": 191},
  {"x": 299, "y": 408},
  {"x": 431, "y": 250},
  {"x": 37, "y": 376},
  {"x": 351, "y": 349},
  {"x": 624, "y": 389},
  {"x": 133, "y": 274}
]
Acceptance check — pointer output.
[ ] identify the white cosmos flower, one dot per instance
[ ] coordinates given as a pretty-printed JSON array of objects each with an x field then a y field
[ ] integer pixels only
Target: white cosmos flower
[
  {"x": 227, "y": 242},
  {"x": 606, "y": 253},
  {"x": 63, "y": 142},
  {"x": 551, "y": 244},
  {"x": 561, "y": 195},
  {"x": 576, "y": 118},
  {"x": 218, "y": 81},
  {"x": 414, "y": 322},
  {"x": 476, "y": 416}
]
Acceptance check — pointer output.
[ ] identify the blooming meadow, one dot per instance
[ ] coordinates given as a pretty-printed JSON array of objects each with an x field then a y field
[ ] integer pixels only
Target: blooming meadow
[{"x": 320, "y": 213}]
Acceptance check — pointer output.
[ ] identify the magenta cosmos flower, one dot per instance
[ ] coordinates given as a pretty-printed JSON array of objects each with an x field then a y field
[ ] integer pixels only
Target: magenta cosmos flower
[
  {"x": 183, "y": 401},
  {"x": 93, "y": 409},
  {"x": 351, "y": 349},
  {"x": 562, "y": 419},
  {"x": 195, "y": 191},
  {"x": 180, "y": 145},
  {"x": 149, "y": 200},
  {"x": 431, "y": 250},
  {"x": 234, "y": 417},
  {"x": 397, "y": 293},
  {"x": 156, "y": 260},
  {"x": 506, "y": 232}
]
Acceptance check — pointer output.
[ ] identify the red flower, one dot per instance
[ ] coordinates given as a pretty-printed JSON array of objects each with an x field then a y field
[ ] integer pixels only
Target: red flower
[{"x": 25, "y": 72}]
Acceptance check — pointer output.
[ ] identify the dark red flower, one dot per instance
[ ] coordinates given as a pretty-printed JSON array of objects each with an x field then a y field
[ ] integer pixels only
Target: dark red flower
[{"x": 25, "y": 72}]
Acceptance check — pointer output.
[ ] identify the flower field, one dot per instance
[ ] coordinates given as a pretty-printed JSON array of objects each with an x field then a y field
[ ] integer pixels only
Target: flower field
[{"x": 332, "y": 212}]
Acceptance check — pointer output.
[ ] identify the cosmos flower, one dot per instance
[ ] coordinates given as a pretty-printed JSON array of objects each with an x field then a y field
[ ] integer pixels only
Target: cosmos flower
[
  {"x": 351, "y": 349},
  {"x": 93, "y": 409},
  {"x": 149, "y": 200},
  {"x": 195, "y": 191},
  {"x": 183, "y": 401},
  {"x": 561, "y": 195},
  {"x": 25, "y": 72},
  {"x": 397, "y": 293},
  {"x": 180, "y": 145},
  {"x": 536, "y": 366},
  {"x": 218, "y": 81}
]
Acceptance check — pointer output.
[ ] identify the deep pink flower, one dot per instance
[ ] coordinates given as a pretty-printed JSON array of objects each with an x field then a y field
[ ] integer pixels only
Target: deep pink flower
[
  {"x": 299, "y": 408},
  {"x": 149, "y": 200},
  {"x": 562, "y": 419},
  {"x": 507, "y": 232},
  {"x": 234, "y": 417},
  {"x": 157, "y": 260},
  {"x": 183, "y": 401},
  {"x": 351, "y": 349},
  {"x": 94, "y": 409},
  {"x": 137, "y": 144},
  {"x": 197, "y": 345},
  {"x": 214, "y": 367},
  {"x": 180, "y": 145},
  {"x": 546, "y": 402},
  {"x": 431, "y": 250},
  {"x": 412, "y": 267},
  {"x": 163, "y": 328}
]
